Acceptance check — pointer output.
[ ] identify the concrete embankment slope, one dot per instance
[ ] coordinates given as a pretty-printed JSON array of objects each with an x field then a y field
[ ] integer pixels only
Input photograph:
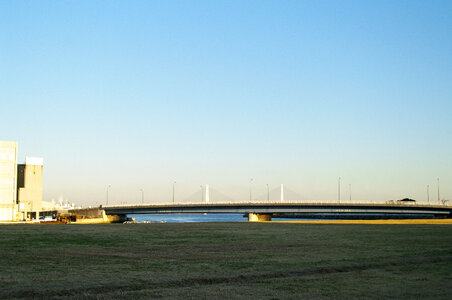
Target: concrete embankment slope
[
  {"x": 93, "y": 216},
  {"x": 407, "y": 221}
]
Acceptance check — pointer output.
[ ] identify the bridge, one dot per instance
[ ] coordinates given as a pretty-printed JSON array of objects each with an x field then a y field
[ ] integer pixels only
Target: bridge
[{"x": 263, "y": 211}]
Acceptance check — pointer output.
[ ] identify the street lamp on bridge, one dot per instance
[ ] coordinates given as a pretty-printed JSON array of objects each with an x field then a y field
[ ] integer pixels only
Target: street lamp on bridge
[
  {"x": 438, "y": 191},
  {"x": 142, "y": 195},
  {"x": 350, "y": 189},
  {"x": 107, "y": 192},
  {"x": 268, "y": 193},
  {"x": 173, "y": 190},
  {"x": 251, "y": 182}
]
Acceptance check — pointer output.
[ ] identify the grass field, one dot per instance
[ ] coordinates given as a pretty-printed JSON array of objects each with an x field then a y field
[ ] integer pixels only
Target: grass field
[{"x": 226, "y": 260}]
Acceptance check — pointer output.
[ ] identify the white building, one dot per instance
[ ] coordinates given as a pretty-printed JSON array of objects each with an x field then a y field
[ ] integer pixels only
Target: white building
[
  {"x": 20, "y": 185},
  {"x": 8, "y": 180},
  {"x": 29, "y": 188}
]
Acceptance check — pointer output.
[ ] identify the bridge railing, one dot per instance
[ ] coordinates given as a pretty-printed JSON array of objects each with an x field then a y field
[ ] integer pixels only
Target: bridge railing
[{"x": 305, "y": 202}]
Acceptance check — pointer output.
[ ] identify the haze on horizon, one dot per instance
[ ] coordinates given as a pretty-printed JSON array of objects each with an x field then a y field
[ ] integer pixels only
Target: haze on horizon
[{"x": 139, "y": 94}]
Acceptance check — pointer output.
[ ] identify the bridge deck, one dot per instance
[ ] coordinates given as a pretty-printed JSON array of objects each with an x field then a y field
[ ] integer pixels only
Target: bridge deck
[{"x": 275, "y": 208}]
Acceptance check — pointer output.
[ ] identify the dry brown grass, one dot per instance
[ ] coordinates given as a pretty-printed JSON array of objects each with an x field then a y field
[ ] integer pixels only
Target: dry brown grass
[{"x": 225, "y": 260}]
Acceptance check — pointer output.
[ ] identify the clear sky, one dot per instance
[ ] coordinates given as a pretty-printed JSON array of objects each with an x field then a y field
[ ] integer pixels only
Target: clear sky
[{"x": 138, "y": 94}]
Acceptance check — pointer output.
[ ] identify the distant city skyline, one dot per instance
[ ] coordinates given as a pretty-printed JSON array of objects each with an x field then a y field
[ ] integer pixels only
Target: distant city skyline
[{"x": 138, "y": 94}]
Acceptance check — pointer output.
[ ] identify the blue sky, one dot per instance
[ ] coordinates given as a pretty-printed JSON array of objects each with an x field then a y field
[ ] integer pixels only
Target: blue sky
[{"x": 138, "y": 94}]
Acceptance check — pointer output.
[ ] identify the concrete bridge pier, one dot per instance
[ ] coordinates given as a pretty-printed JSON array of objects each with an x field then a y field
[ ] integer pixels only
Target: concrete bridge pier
[{"x": 252, "y": 217}]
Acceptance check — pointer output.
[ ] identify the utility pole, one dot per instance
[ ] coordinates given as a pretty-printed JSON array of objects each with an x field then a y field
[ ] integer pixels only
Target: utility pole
[
  {"x": 428, "y": 194},
  {"x": 202, "y": 194},
  {"x": 339, "y": 190}
]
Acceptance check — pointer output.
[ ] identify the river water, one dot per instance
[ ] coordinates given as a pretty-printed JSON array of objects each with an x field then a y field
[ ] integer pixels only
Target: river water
[{"x": 192, "y": 218}]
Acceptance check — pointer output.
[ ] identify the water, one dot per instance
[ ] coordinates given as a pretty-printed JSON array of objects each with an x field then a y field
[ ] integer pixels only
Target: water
[
  {"x": 196, "y": 218},
  {"x": 189, "y": 218}
]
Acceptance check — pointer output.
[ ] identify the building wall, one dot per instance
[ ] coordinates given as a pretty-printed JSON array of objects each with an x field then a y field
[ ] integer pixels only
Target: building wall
[
  {"x": 29, "y": 185},
  {"x": 8, "y": 180}
]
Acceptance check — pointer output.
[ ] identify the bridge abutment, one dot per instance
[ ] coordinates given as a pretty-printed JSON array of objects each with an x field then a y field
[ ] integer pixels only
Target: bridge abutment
[{"x": 252, "y": 217}]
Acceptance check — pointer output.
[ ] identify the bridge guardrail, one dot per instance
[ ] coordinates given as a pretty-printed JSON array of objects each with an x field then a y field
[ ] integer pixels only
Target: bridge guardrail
[{"x": 304, "y": 202}]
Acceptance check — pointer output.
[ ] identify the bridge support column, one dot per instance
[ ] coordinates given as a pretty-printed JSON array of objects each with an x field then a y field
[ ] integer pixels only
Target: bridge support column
[{"x": 259, "y": 217}]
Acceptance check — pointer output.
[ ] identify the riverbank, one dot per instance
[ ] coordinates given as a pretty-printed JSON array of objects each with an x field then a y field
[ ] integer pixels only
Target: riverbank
[
  {"x": 373, "y": 222},
  {"x": 226, "y": 260}
]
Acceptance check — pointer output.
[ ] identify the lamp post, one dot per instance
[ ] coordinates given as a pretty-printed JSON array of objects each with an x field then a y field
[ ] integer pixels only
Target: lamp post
[
  {"x": 339, "y": 190},
  {"x": 107, "y": 192},
  {"x": 350, "y": 189},
  {"x": 202, "y": 194},
  {"x": 428, "y": 194},
  {"x": 268, "y": 193},
  {"x": 142, "y": 195},
  {"x": 251, "y": 182},
  {"x": 173, "y": 190},
  {"x": 438, "y": 191}
]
